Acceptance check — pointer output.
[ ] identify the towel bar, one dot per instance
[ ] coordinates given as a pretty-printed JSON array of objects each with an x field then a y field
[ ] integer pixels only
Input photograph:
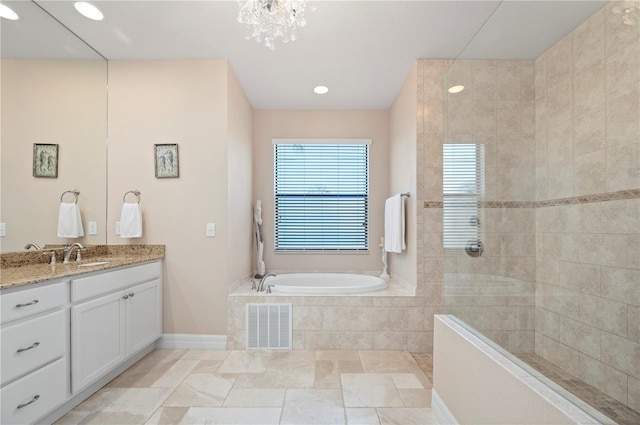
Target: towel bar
[
  {"x": 407, "y": 194},
  {"x": 75, "y": 192},
  {"x": 135, "y": 192}
]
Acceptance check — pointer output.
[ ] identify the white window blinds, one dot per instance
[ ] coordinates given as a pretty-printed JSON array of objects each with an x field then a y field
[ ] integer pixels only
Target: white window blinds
[
  {"x": 321, "y": 197},
  {"x": 463, "y": 188}
]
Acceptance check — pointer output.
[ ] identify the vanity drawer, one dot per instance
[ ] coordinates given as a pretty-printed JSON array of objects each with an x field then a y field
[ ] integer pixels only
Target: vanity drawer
[
  {"x": 23, "y": 303},
  {"x": 29, "y": 344},
  {"x": 113, "y": 280},
  {"x": 30, "y": 398}
]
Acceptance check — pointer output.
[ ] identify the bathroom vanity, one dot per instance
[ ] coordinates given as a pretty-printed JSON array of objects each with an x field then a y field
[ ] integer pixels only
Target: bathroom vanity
[{"x": 65, "y": 337}]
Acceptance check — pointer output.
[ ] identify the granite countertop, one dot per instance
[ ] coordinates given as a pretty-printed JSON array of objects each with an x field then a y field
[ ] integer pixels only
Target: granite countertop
[{"x": 26, "y": 268}]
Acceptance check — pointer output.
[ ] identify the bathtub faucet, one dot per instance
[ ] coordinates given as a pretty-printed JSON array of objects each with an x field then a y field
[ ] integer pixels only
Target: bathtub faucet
[{"x": 261, "y": 284}]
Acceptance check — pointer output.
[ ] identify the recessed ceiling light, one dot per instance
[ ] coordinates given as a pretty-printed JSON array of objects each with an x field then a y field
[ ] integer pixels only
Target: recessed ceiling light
[
  {"x": 88, "y": 10},
  {"x": 321, "y": 90},
  {"x": 7, "y": 13},
  {"x": 456, "y": 89}
]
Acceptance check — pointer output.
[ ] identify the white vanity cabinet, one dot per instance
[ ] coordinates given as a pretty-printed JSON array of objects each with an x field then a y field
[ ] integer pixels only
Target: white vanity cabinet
[
  {"x": 113, "y": 316},
  {"x": 34, "y": 362}
]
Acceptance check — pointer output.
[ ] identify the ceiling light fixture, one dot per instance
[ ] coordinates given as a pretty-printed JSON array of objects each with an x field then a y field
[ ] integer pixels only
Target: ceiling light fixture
[
  {"x": 8, "y": 13},
  {"x": 321, "y": 90},
  {"x": 456, "y": 89},
  {"x": 268, "y": 20},
  {"x": 88, "y": 10}
]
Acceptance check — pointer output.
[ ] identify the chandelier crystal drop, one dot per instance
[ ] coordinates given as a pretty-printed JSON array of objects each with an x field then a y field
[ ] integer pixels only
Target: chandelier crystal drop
[{"x": 268, "y": 20}]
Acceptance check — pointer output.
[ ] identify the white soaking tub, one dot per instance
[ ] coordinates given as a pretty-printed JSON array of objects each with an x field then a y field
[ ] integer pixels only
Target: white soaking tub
[{"x": 324, "y": 283}]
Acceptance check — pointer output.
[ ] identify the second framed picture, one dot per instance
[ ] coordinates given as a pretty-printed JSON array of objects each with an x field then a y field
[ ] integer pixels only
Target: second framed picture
[
  {"x": 45, "y": 160},
  {"x": 166, "y": 160}
]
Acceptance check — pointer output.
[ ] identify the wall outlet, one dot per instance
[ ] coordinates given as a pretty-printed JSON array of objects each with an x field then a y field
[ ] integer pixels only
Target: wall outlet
[
  {"x": 3, "y": 229},
  {"x": 117, "y": 227},
  {"x": 211, "y": 229},
  {"x": 93, "y": 228}
]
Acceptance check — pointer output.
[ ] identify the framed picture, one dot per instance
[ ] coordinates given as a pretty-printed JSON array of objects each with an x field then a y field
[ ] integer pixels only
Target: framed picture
[
  {"x": 45, "y": 160},
  {"x": 166, "y": 160}
]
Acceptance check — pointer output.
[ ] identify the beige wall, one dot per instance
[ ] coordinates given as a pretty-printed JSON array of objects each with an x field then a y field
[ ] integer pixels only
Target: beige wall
[
  {"x": 588, "y": 261},
  {"x": 185, "y": 102},
  {"x": 402, "y": 172},
  {"x": 240, "y": 180},
  {"x": 60, "y": 102},
  {"x": 270, "y": 124}
]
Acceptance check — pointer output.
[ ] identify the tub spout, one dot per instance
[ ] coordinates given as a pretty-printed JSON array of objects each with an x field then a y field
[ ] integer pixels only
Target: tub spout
[{"x": 261, "y": 284}]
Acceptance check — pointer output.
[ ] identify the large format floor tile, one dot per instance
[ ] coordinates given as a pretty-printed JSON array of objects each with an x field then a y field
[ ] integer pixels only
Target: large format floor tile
[{"x": 263, "y": 387}]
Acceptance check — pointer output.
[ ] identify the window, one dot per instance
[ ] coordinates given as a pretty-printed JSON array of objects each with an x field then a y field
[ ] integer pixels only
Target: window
[
  {"x": 321, "y": 195},
  {"x": 463, "y": 188}
]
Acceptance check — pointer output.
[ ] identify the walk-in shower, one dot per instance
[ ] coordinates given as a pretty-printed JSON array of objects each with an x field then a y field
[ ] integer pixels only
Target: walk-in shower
[{"x": 541, "y": 204}]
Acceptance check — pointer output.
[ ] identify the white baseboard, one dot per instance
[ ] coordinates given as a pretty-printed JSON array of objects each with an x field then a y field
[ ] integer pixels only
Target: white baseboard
[
  {"x": 441, "y": 411},
  {"x": 192, "y": 342}
]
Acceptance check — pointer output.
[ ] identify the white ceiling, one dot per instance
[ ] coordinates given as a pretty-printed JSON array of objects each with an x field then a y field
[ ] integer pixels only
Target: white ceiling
[{"x": 362, "y": 50}]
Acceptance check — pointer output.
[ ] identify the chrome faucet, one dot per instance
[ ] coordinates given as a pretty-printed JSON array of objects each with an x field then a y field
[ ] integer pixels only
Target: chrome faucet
[
  {"x": 68, "y": 250},
  {"x": 261, "y": 284},
  {"x": 32, "y": 245}
]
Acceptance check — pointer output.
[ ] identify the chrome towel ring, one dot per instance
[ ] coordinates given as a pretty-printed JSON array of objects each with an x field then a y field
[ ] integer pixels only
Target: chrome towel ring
[
  {"x": 75, "y": 192},
  {"x": 135, "y": 192}
]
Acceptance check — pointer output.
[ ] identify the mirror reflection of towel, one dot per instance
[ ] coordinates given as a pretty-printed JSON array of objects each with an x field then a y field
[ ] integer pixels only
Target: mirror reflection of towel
[
  {"x": 131, "y": 221},
  {"x": 394, "y": 224},
  {"x": 69, "y": 221}
]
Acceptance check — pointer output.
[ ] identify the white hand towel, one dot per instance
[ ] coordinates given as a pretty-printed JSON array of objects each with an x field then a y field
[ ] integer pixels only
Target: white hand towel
[
  {"x": 394, "y": 224},
  {"x": 69, "y": 221},
  {"x": 131, "y": 221}
]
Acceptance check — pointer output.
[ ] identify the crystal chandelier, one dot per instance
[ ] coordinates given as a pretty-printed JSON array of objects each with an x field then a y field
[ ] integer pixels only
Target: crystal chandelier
[{"x": 268, "y": 20}]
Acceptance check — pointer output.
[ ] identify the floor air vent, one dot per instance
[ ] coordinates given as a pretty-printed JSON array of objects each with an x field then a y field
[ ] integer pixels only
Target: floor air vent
[{"x": 268, "y": 326}]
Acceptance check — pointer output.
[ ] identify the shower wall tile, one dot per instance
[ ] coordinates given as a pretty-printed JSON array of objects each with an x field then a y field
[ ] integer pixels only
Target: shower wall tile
[
  {"x": 604, "y": 377},
  {"x": 634, "y": 393},
  {"x": 621, "y": 216},
  {"x": 633, "y": 323},
  {"x": 580, "y": 277},
  {"x": 621, "y": 353},
  {"x": 589, "y": 42},
  {"x": 623, "y": 166},
  {"x": 589, "y": 88},
  {"x": 580, "y": 336},
  {"x": 622, "y": 115},
  {"x": 527, "y": 81},
  {"x": 589, "y": 132},
  {"x": 484, "y": 81},
  {"x": 622, "y": 69},
  {"x": 509, "y": 77},
  {"x": 559, "y": 63},
  {"x": 560, "y": 101},
  {"x": 610, "y": 316},
  {"x": 560, "y": 178},
  {"x": 561, "y": 355},
  {"x": 560, "y": 140},
  {"x": 621, "y": 285},
  {"x": 589, "y": 173}
]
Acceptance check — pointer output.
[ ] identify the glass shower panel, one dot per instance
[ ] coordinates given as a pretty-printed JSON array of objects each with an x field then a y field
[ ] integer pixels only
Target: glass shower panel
[{"x": 488, "y": 194}]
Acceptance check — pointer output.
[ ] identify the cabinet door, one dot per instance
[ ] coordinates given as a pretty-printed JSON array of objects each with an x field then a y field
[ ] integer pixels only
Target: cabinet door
[
  {"x": 98, "y": 338},
  {"x": 144, "y": 315}
]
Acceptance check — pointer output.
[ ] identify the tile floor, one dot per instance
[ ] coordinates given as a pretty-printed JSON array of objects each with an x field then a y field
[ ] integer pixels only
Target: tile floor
[{"x": 265, "y": 387}]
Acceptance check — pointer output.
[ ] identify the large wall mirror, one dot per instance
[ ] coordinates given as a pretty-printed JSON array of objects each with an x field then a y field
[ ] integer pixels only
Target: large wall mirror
[{"x": 53, "y": 91}]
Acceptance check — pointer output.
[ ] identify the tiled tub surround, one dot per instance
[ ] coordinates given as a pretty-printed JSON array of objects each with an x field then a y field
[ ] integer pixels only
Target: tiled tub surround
[
  {"x": 25, "y": 268},
  {"x": 393, "y": 318}
]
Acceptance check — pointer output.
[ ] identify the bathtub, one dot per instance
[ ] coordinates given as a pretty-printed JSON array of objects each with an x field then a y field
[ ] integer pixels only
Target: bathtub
[{"x": 324, "y": 283}]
